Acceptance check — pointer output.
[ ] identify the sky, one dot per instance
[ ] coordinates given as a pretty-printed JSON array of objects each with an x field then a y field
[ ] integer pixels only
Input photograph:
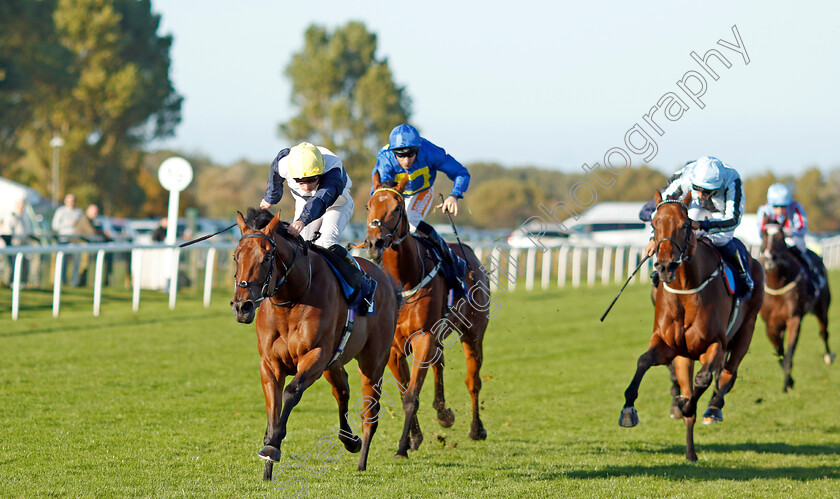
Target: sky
[{"x": 534, "y": 83}]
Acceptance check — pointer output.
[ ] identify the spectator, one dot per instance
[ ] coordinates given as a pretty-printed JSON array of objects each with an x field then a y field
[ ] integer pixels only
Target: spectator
[
  {"x": 89, "y": 229},
  {"x": 159, "y": 234},
  {"x": 64, "y": 224},
  {"x": 17, "y": 228}
]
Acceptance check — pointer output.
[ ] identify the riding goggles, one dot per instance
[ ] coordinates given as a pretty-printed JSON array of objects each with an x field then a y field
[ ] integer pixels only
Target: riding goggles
[
  {"x": 308, "y": 180},
  {"x": 406, "y": 153},
  {"x": 708, "y": 192}
]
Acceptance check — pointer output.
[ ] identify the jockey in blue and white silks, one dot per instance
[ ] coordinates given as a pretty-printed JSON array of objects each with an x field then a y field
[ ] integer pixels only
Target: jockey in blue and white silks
[
  {"x": 717, "y": 204},
  {"x": 409, "y": 154},
  {"x": 321, "y": 189}
]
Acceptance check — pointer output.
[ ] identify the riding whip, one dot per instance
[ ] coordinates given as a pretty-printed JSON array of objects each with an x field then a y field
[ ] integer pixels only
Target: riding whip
[
  {"x": 202, "y": 238},
  {"x": 460, "y": 245},
  {"x": 622, "y": 287}
]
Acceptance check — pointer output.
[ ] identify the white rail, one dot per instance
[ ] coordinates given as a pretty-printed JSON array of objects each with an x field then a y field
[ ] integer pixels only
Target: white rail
[{"x": 506, "y": 266}]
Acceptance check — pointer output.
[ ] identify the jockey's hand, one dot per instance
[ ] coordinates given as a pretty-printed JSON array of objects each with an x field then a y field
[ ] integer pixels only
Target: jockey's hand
[
  {"x": 295, "y": 227},
  {"x": 695, "y": 225},
  {"x": 650, "y": 248},
  {"x": 264, "y": 205},
  {"x": 450, "y": 205}
]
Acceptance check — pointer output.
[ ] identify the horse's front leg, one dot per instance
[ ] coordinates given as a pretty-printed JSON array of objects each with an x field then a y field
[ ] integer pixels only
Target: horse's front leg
[
  {"x": 424, "y": 351},
  {"x": 658, "y": 353},
  {"x": 310, "y": 367},
  {"x": 793, "y": 325},
  {"x": 399, "y": 366},
  {"x": 272, "y": 383}
]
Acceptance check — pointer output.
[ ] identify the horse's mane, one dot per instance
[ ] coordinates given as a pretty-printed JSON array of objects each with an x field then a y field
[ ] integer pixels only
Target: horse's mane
[
  {"x": 389, "y": 184},
  {"x": 257, "y": 219}
]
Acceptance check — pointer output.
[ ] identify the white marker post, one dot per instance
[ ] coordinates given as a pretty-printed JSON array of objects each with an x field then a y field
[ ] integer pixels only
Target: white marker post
[{"x": 175, "y": 174}]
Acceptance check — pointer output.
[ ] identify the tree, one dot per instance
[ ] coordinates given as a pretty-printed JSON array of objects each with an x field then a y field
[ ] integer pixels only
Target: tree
[
  {"x": 120, "y": 98},
  {"x": 346, "y": 97}
]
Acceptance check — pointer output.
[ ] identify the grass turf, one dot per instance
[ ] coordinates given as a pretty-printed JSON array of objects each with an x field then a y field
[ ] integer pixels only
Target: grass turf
[{"x": 168, "y": 403}]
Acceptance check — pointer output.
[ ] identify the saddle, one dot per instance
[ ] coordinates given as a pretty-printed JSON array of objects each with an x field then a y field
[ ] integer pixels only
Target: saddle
[
  {"x": 454, "y": 272},
  {"x": 357, "y": 287}
]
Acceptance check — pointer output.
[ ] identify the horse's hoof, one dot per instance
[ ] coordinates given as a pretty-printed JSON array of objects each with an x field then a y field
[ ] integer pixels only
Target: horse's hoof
[
  {"x": 629, "y": 417},
  {"x": 712, "y": 415},
  {"x": 446, "y": 418},
  {"x": 400, "y": 456},
  {"x": 478, "y": 433},
  {"x": 416, "y": 440},
  {"x": 676, "y": 413},
  {"x": 691, "y": 457},
  {"x": 353, "y": 446},
  {"x": 829, "y": 358},
  {"x": 269, "y": 453}
]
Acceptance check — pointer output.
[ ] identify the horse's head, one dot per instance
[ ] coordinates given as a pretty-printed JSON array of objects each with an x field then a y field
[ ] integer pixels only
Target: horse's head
[
  {"x": 675, "y": 241},
  {"x": 774, "y": 250},
  {"x": 387, "y": 220},
  {"x": 256, "y": 258}
]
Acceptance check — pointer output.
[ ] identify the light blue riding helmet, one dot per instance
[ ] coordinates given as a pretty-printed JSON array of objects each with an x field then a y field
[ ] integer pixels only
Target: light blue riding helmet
[
  {"x": 707, "y": 174},
  {"x": 778, "y": 195},
  {"x": 403, "y": 136}
]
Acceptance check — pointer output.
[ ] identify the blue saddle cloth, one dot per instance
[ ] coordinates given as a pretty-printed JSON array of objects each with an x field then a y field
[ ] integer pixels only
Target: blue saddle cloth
[{"x": 359, "y": 296}]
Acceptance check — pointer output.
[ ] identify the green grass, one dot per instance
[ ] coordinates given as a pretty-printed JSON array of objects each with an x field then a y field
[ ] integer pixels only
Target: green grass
[{"x": 168, "y": 403}]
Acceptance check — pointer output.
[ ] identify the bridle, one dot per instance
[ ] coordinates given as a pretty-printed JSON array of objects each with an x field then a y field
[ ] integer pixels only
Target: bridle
[
  {"x": 772, "y": 257},
  {"x": 270, "y": 257},
  {"x": 392, "y": 231},
  {"x": 682, "y": 258}
]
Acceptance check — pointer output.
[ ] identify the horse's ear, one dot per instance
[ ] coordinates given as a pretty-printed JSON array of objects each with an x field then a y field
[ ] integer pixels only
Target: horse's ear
[
  {"x": 377, "y": 181},
  {"x": 401, "y": 185},
  {"x": 687, "y": 199},
  {"x": 269, "y": 229},
  {"x": 240, "y": 220},
  {"x": 657, "y": 197}
]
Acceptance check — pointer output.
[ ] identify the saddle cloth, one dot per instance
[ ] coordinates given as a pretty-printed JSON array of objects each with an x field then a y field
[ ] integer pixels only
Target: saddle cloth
[{"x": 357, "y": 287}]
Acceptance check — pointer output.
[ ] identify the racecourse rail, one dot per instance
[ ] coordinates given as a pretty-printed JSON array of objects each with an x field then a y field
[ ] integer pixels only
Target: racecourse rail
[{"x": 565, "y": 265}]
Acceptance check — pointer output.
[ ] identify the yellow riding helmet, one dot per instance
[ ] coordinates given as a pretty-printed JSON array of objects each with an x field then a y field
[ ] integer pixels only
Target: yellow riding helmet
[{"x": 305, "y": 160}]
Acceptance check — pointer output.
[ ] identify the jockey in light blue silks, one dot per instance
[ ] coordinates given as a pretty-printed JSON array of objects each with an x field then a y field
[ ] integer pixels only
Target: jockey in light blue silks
[
  {"x": 407, "y": 153},
  {"x": 785, "y": 211},
  {"x": 717, "y": 203}
]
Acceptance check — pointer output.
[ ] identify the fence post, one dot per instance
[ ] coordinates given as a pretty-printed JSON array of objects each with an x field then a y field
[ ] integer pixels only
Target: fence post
[
  {"x": 173, "y": 277},
  {"x": 136, "y": 271},
  {"x": 513, "y": 261},
  {"x": 59, "y": 268},
  {"x": 16, "y": 286},
  {"x": 619, "y": 264},
  {"x": 208, "y": 275},
  {"x": 97, "y": 282},
  {"x": 576, "y": 257},
  {"x": 605, "y": 265},
  {"x": 546, "y": 268},
  {"x": 562, "y": 264},
  {"x": 494, "y": 257},
  {"x": 631, "y": 261},
  {"x": 531, "y": 268}
]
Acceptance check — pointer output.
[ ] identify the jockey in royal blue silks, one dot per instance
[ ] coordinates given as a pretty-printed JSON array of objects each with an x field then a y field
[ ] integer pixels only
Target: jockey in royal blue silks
[
  {"x": 407, "y": 153},
  {"x": 717, "y": 203},
  {"x": 782, "y": 209}
]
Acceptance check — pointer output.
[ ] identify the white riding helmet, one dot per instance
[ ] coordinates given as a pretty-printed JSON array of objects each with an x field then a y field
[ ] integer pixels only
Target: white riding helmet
[
  {"x": 778, "y": 195},
  {"x": 707, "y": 174}
]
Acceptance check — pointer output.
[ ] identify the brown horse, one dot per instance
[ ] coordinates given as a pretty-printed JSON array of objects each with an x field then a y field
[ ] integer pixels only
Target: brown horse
[
  {"x": 787, "y": 300},
  {"x": 300, "y": 321},
  {"x": 693, "y": 308},
  {"x": 424, "y": 322}
]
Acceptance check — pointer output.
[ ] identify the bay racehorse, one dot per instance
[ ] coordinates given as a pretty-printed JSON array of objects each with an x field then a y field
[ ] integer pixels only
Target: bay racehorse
[
  {"x": 787, "y": 298},
  {"x": 301, "y": 314},
  {"x": 693, "y": 308},
  {"x": 424, "y": 322}
]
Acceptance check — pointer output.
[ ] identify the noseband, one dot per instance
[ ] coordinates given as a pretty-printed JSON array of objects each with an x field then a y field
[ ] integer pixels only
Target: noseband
[
  {"x": 686, "y": 226},
  {"x": 392, "y": 231},
  {"x": 272, "y": 255}
]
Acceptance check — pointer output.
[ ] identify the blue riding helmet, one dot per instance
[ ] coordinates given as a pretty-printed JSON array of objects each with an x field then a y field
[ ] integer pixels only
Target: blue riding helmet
[
  {"x": 707, "y": 174},
  {"x": 778, "y": 195},
  {"x": 403, "y": 136}
]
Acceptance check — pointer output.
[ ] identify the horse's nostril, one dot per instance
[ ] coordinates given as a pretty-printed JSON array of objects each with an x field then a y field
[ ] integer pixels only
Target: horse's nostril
[{"x": 379, "y": 244}]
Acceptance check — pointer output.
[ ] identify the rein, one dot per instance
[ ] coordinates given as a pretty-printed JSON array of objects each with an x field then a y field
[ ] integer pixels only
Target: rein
[{"x": 376, "y": 223}]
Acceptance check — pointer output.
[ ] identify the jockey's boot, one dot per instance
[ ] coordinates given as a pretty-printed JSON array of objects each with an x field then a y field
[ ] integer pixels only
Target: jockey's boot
[
  {"x": 735, "y": 252},
  {"x": 356, "y": 277},
  {"x": 352, "y": 271},
  {"x": 813, "y": 269},
  {"x": 457, "y": 272}
]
